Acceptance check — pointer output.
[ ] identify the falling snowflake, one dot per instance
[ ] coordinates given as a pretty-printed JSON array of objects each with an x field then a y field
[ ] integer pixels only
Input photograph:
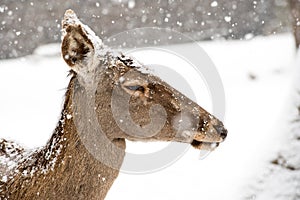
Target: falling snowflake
[
  {"x": 227, "y": 18},
  {"x": 214, "y": 4}
]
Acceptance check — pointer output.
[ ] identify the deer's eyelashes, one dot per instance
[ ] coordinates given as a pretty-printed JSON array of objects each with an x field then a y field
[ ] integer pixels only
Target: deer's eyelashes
[{"x": 135, "y": 88}]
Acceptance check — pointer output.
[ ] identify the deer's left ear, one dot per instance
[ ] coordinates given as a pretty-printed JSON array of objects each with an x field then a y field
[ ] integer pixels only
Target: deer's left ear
[{"x": 79, "y": 44}]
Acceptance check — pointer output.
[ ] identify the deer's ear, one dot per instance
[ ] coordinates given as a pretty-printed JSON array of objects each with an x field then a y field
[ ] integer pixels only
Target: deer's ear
[
  {"x": 80, "y": 44},
  {"x": 76, "y": 46}
]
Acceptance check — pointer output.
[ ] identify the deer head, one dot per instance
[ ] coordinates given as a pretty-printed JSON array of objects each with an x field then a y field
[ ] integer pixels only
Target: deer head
[{"x": 131, "y": 104}]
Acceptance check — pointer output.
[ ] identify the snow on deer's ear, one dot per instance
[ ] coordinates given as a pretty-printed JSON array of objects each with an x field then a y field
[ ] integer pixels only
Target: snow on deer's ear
[{"x": 79, "y": 45}]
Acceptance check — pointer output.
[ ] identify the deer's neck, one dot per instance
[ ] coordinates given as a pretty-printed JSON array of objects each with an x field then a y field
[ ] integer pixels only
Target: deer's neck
[{"x": 64, "y": 168}]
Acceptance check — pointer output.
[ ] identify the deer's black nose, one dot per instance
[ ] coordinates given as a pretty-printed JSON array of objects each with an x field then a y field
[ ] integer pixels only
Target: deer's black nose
[{"x": 221, "y": 130}]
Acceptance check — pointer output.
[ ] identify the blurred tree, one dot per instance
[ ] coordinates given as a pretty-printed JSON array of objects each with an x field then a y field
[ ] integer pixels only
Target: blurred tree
[
  {"x": 26, "y": 24},
  {"x": 295, "y": 10}
]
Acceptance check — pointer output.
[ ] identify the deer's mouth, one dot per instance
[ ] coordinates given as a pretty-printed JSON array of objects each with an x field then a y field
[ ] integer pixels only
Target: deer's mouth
[
  {"x": 209, "y": 146},
  {"x": 209, "y": 139}
]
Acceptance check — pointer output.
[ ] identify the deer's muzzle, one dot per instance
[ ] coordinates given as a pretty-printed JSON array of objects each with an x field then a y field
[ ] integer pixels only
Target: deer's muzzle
[{"x": 209, "y": 136}]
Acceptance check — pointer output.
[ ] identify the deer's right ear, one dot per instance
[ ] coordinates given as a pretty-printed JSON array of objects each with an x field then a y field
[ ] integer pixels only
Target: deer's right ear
[
  {"x": 79, "y": 43},
  {"x": 76, "y": 46}
]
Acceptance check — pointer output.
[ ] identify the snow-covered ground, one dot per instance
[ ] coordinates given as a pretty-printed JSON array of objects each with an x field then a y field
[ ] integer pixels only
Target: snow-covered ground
[{"x": 259, "y": 81}]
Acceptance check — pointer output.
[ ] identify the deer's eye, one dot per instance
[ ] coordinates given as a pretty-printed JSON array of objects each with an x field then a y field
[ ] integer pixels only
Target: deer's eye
[{"x": 136, "y": 88}]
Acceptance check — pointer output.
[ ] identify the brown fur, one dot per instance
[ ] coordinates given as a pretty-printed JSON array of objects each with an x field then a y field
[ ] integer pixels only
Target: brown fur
[
  {"x": 64, "y": 168},
  {"x": 76, "y": 174}
]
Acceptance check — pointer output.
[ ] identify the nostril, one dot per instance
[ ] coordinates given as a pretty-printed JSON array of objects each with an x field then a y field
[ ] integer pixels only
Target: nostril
[
  {"x": 224, "y": 134},
  {"x": 221, "y": 130}
]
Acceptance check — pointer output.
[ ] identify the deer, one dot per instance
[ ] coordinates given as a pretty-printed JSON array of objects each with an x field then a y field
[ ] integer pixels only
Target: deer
[{"x": 83, "y": 157}]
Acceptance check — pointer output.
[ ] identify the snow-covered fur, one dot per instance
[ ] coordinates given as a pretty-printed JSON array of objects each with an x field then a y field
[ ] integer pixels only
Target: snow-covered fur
[{"x": 65, "y": 168}]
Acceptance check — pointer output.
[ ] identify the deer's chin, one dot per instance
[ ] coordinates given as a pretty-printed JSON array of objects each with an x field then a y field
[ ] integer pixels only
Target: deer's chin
[{"x": 208, "y": 146}]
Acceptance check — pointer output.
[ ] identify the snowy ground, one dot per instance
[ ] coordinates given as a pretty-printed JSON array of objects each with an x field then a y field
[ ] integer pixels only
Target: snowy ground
[{"x": 259, "y": 81}]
